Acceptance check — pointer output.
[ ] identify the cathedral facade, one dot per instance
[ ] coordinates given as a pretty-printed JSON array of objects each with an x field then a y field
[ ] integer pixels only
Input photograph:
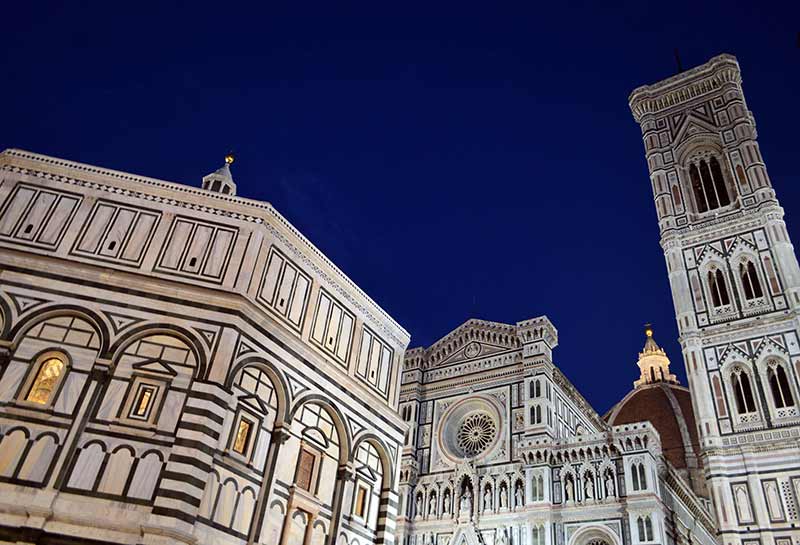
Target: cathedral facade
[
  {"x": 181, "y": 365},
  {"x": 502, "y": 449}
]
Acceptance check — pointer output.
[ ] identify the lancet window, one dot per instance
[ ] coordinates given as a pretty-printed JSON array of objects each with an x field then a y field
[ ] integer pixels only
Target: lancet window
[
  {"x": 742, "y": 391},
  {"x": 718, "y": 288},
  {"x": 750, "y": 283},
  {"x": 708, "y": 184},
  {"x": 779, "y": 385}
]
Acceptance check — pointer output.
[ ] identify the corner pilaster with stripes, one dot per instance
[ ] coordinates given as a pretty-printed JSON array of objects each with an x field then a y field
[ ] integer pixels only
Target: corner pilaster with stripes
[
  {"x": 387, "y": 518},
  {"x": 186, "y": 473}
]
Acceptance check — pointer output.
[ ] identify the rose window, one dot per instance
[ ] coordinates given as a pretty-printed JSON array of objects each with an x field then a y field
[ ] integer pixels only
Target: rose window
[{"x": 476, "y": 433}]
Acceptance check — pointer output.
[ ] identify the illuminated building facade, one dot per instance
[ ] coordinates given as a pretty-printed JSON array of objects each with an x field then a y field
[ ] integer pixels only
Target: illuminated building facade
[
  {"x": 180, "y": 365},
  {"x": 736, "y": 289}
]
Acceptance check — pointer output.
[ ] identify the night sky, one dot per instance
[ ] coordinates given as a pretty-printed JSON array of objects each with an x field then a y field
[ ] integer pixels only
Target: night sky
[{"x": 456, "y": 161}]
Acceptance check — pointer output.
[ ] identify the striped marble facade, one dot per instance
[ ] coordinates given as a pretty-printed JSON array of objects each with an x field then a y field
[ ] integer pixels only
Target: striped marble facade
[{"x": 220, "y": 380}]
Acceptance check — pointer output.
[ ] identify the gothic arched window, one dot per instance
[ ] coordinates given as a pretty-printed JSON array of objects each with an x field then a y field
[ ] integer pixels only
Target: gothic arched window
[
  {"x": 779, "y": 384},
  {"x": 708, "y": 184},
  {"x": 642, "y": 478},
  {"x": 742, "y": 392},
  {"x": 719, "y": 291},
  {"x": 750, "y": 283},
  {"x": 635, "y": 476}
]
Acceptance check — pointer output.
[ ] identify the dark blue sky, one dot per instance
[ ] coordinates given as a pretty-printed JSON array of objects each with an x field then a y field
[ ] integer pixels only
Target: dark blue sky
[{"x": 456, "y": 161}]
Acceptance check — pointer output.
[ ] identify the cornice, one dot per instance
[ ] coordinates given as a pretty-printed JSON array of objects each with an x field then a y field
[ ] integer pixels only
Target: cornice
[
  {"x": 709, "y": 230},
  {"x": 674, "y": 91},
  {"x": 251, "y": 211}
]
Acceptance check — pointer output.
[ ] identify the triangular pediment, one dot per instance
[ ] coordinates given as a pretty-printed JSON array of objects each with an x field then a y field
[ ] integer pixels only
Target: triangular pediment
[
  {"x": 154, "y": 366},
  {"x": 770, "y": 345},
  {"x": 471, "y": 340},
  {"x": 733, "y": 352},
  {"x": 694, "y": 126}
]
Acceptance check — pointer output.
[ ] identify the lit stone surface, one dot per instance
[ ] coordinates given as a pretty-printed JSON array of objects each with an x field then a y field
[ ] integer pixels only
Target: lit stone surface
[
  {"x": 503, "y": 449},
  {"x": 736, "y": 289},
  {"x": 176, "y": 317}
]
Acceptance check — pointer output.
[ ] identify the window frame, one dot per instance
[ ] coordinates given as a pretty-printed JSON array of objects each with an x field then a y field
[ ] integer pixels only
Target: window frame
[
  {"x": 136, "y": 381},
  {"x": 786, "y": 412},
  {"x": 35, "y": 366},
  {"x": 317, "y": 456},
  {"x": 243, "y": 413},
  {"x": 696, "y": 160},
  {"x": 361, "y": 486}
]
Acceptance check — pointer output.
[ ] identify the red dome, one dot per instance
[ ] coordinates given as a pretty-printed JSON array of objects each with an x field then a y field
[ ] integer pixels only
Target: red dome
[{"x": 668, "y": 407}]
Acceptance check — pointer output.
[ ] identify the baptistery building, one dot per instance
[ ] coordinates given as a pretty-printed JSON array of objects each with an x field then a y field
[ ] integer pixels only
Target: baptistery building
[{"x": 180, "y": 365}]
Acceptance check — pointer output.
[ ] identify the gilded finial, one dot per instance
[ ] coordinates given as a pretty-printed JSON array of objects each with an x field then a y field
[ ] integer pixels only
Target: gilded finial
[
  {"x": 648, "y": 330},
  {"x": 229, "y": 158}
]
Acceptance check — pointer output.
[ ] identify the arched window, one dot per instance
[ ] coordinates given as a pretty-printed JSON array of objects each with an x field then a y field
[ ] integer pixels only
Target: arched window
[
  {"x": 750, "y": 283},
  {"x": 718, "y": 289},
  {"x": 538, "y": 389},
  {"x": 745, "y": 403},
  {"x": 779, "y": 384},
  {"x": 708, "y": 184},
  {"x": 47, "y": 378},
  {"x": 642, "y": 478},
  {"x": 635, "y": 476},
  {"x": 648, "y": 528},
  {"x": 538, "y": 414},
  {"x": 640, "y": 528}
]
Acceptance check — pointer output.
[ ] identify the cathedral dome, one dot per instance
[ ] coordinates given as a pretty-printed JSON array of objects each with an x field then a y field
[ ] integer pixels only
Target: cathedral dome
[{"x": 658, "y": 397}]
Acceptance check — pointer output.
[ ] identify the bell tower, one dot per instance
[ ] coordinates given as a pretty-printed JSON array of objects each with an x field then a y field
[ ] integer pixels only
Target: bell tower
[{"x": 735, "y": 285}]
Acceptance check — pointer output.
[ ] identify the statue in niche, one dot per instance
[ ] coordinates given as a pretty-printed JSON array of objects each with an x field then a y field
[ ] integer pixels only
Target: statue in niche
[
  {"x": 518, "y": 497},
  {"x": 446, "y": 502},
  {"x": 569, "y": 490},
  {"x": 589, "y": 487},
  {"x": 466, "y": 501},
  {"x": 609, "y": 484},
  {"x": 503, "y": 496},
  {"x": 487, "y": 499},
  {"x": 432, "y": 505},
  {"x": 419, "y": 505}
]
